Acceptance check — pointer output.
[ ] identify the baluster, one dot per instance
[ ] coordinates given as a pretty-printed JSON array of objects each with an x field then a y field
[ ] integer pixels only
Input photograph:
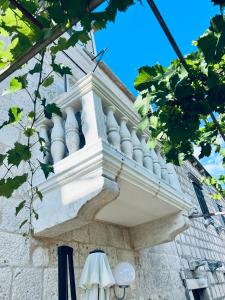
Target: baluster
[
  {"x": 162, "y": 163},
  {"x": 173, "y": 177},
  {"x": 147, "y": 159},
  {"x": 112, "y": 128},
  {"x": 126, "y": 144},
  {"x": 156, "y": 166},
  {"x": 137, "y": 150},
  {"x": 57, "y": 139},
  {"x": 71, "y": 131}
]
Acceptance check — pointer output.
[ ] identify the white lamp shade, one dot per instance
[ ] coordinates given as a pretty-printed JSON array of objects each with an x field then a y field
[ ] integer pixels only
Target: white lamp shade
[{"x": 124, "y": 274}]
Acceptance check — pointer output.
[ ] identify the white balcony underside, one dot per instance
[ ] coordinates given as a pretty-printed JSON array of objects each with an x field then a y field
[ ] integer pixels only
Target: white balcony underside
[
  {"x": 142, "y": 198},
  {"x": 105, "y": 185},
  {"x": 135, "y": 206},
  {"x": 104, "y": 170}
]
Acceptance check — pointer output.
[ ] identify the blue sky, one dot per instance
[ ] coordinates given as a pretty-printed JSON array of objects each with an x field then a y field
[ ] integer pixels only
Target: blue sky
[{"x": 136, "y": 39}]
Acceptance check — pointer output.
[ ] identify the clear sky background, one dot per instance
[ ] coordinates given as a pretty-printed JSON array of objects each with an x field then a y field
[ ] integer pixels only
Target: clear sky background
[{"x": 136, "y": 39}]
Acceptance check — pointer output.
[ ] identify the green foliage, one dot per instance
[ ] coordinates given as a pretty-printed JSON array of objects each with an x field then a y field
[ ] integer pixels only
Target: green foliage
[
  {"x": 61, "y": 69},
  {"x": 18, "y": 154},
  {"x": 14, "y": 116},
  {"x": 48, "y": 81},
  {"x": 36, "y": 69},
  {"x": 23, "y": 34},
  {"x": 23, "y": 223},
  {"x": 50, "y": 109},
  {"x": 57, "y": 14},
  {"x": 185, "y": 106},
  {"x": 218, "y": 2},
  {"x": 39, "y": 193},
  {"x": 29, "y": 131},
  {"x": 2, "y": 157},
  {"x": 9, "y": 185},
  {"x": 20, "y": 207},
  {"x": 47, "y": 169},
  {"x": 218, "y": 184}
]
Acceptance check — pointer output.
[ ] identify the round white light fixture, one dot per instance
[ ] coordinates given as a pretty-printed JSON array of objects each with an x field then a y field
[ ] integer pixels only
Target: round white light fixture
[{"x": 124, "y": 274}]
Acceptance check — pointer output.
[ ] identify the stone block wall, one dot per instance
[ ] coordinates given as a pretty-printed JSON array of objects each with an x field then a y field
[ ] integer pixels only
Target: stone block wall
[
  {"x": 28, "y": 267},
  {"x": 199, "y": 242},
  {"x": 158, "y": 273},
  {"x": 161, "y": 269}
]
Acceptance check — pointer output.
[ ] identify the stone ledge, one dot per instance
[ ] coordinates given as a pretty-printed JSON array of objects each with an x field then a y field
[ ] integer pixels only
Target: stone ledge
[
  {"x": 159, "y": 231},
  {"x": 100, "y": 183}
]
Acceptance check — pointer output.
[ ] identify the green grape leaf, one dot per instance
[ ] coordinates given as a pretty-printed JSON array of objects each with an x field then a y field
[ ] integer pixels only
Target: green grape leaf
[
  {"x": 31, "y": 115},
  {"x": 48, "y": 81},
  {"x": 35, "y": 214},
  {"x": 46, "y": 168},
  {"x": 61, "y": 69},
  {"x": 20, "y": 207},
  {"x": 2, "y": 157},
  {"x": 39, "y": 193},
  {"x": 207, "y": 43},
  {"x": 218, "y": 2},
  {"x": 16, "y": 84},
  {"x": 23, "y": 223},
  {"x": 28, "y": 132},
  {"x": 51, "y": 109},
  {"x": 152, "y": 143},
  {"x": 9, "y": 185},
  {"x": 148, "y": 76},
  {"x": 14, "y": 114},
  {"x": 18, "y": 154},
  {"x": 36, "y": 69}
]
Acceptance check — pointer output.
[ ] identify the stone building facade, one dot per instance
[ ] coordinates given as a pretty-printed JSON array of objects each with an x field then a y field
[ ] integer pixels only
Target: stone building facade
[
  {"x": 177, "y": 277},
  {"x": 165, "y": 251}
]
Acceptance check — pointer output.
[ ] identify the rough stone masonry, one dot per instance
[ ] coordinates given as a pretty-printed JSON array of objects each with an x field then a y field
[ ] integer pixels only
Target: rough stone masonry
[{"x": 28, "y": 266}]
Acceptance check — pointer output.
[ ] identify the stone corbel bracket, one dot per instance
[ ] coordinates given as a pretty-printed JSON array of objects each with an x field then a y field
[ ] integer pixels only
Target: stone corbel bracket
[
  {"x": 160, "y": 231},
  {"x": 74, "y": 194}
]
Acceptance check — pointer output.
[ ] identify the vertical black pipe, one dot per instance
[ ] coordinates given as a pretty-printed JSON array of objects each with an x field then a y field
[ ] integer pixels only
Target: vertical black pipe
[
  {"x": 71, "y": 274},
  {"x": 65, "y": 260},
  {"x": 62, "y": 273}
]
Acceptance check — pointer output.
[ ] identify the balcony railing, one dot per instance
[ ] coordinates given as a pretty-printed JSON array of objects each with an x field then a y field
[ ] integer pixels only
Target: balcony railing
[
  {"x": 95, "y": 113},
  {"x": 88, "y": 119}
]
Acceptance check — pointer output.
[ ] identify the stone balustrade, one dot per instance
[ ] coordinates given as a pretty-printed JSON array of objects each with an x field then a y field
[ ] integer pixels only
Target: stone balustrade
[
  {"x": 103, "y": 167},
  {"x": 90, "y": 117}
]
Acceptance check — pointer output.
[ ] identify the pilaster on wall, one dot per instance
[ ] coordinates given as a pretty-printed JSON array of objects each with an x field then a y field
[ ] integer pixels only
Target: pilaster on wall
[{"x": 92, "y": 118}]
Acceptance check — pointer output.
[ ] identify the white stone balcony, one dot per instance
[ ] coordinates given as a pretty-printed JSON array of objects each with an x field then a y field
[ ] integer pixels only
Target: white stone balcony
[{"x": 104, "y": 171}]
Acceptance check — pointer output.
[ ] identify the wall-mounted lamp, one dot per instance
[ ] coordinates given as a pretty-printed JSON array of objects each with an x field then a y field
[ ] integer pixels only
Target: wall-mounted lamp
[{"x": 124, "y": 275}]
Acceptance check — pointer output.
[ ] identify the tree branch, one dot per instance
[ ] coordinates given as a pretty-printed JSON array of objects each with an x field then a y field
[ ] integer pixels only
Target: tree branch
[
  {"x": 178, "y": 53},
  {"x": 27, "y": 14},
  {"x": 41, "y": 45}
]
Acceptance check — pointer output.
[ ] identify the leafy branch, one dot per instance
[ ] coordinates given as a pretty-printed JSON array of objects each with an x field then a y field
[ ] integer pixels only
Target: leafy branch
[
  {"x": 184, "y": 105},
  {"x": 31, "y": 26}
]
